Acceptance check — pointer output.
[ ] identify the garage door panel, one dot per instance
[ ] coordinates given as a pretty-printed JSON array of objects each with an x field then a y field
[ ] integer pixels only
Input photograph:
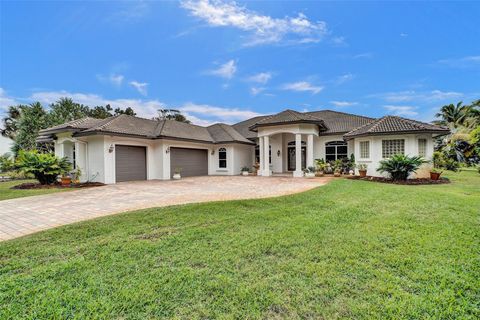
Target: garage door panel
[
  {"x": 130, "y": 163},
  {"x": 193, "y": 162}
]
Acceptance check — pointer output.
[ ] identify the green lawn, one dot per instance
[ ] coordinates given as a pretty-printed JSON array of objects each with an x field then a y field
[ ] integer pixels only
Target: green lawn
[
  {"x": 350, "y": 249},
  {"x": 7, "y": 193}
]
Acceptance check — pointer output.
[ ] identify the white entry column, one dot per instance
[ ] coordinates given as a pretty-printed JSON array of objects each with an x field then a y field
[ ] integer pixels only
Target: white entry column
[
  {"x": 260, "y": 151},
  {"x": 310, "y": 150},
  {"x": 298, "y": 156},
  {"x": 266, "y": 157}
]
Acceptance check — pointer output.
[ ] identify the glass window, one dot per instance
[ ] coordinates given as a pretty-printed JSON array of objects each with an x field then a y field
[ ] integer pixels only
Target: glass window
[
  {"x": 364, "y": 149},
  {"x": 336, "y": 150},
  {"x": 422, "y": 147},
  {"x": 222, "y": 158},
  {"x": 392, "y": 147}
]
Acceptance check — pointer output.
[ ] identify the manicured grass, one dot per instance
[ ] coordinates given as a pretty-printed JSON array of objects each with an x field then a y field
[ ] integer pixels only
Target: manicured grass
[
  {"x": 7, "y": 193},
  {"x": 350, "y": 249}
]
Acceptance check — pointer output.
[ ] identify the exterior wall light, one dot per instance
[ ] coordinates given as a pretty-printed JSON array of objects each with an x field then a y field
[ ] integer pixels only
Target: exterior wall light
[
  {"x": 111, "y": 148},
  {"x": 167, "y": 150},
  {"x": 278, "y": 153},
  {"x": 213, "y": 152}
]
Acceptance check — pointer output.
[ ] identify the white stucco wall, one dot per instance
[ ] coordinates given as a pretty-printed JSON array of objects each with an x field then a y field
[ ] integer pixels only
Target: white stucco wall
[
  {"x": 243, "y": 155},
  {"x": 98, "y": 163},
  {"x": 5, "y": 145},
  {"x": 411, "y": 148}
]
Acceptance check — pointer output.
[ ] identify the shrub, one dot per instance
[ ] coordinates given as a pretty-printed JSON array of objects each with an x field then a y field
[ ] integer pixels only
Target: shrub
[
  {"x": 400, "y": 166},
  {"x": 442, "y": 161},
  {"x": 6, "y": 163},
  {"x": 45, "y": 167}
]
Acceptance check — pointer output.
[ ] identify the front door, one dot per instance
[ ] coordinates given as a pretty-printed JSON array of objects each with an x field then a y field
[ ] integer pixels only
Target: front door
[{"x": 291, "y": 162}]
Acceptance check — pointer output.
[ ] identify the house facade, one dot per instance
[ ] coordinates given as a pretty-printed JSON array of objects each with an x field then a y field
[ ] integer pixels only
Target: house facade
[{"x": 126, "y": 148}]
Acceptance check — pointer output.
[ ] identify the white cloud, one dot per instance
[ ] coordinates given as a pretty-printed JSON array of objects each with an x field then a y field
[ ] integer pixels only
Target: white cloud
[
  {"x": 339, "y": 41},
  {"x": 365, "y": 55},
  {"x": 261, "y": 29},
  {"x": 262, "y": 77},
  {"x": 342, "y": 104},
  {"x": 219, "y": 114},
  {"x": 344, "y": 78},
  {"x": 255, "y": 91},
  {"x": 403, "y": 35},
  {"x": 402, "y": 110},
  {"x": 114, "y": 79},
  {"x": 226, "y": 70},
  {"x": 6, "y": 100},
  {"x": 130, "y": 11},
  {"x": 464, "y": 62},
  {"x": 302, "y": 86},
  {"x": 425, "y": 96},
  {"x": 141, "y": 87}
]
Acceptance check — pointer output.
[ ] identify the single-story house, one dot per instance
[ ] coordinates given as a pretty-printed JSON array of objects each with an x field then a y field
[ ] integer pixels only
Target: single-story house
[{"x": 124, "y": 148}]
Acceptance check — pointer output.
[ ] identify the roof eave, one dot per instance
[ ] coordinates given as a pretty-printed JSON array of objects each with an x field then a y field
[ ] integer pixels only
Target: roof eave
[
  {"x": 255, "y": 126},
  {"x": 349, "y": 137}
]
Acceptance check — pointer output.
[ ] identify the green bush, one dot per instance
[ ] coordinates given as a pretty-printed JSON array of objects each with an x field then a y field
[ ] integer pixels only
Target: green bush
[
  {"x": 442, "y": 161},
  {"x": 6, "y": 163},
  {"x": 400, "y": 166},
  {"x": 45, "y": 167}
]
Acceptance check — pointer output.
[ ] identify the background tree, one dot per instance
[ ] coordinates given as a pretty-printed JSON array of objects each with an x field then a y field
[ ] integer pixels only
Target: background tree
[
  {"x": 33, "y": 117},
  {"x": 102, "y": 112},
  {"x": 10, "y": 122},
  {"x": 65, "y": 110},
  {"x": 171, "y": 114}
]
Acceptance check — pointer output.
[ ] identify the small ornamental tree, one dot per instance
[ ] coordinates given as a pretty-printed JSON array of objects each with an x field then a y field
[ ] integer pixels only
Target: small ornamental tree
[
  {"x": 45, "y": 167},
  {"x": 400, "y": 166}
]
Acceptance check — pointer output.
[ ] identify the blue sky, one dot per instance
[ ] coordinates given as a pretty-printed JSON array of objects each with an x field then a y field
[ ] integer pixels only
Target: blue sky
[{"x": 221, "y": 61}]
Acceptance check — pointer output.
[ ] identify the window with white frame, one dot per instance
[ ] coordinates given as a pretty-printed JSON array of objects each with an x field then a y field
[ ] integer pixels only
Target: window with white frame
[
  {"x": 422, "y": 147},
  {"x": 335, "y": 150},
  {"x": 392, "y": 147},
  {"x": 222, "y": 158},
  {"x": 364, "y": 149}
]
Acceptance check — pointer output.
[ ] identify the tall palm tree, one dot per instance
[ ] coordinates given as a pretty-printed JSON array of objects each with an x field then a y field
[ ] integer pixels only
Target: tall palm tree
[{"x": 453, "y": 115}]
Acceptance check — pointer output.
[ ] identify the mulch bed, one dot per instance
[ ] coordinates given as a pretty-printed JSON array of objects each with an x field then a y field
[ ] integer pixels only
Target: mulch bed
[
  {"x": 57, "y": 186},
  {"x": 419, "y": 181}
]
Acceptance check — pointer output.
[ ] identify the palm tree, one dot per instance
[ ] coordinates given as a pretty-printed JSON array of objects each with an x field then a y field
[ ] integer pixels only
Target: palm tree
[{"x": 453, "y": 115}]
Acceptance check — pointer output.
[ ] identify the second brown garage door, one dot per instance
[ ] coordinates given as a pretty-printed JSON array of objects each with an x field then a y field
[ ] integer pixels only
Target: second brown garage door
[
  {"x": 192, "y": 162},
  {"x": 130, "y": 163}
]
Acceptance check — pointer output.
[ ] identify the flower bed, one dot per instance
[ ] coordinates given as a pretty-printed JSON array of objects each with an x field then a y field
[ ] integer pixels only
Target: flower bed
[
  {"x": 418, "y": 181},
  {"x": 31, "y": 185}
]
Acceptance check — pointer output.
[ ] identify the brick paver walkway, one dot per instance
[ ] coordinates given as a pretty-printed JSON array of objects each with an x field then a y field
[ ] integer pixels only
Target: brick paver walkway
[{"x": 27, "y": 215}]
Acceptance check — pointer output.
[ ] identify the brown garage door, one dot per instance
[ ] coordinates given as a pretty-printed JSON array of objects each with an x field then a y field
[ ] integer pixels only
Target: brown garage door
[
  {"x": 130, "y": 163},
  {"x": 193, "y": 162}
]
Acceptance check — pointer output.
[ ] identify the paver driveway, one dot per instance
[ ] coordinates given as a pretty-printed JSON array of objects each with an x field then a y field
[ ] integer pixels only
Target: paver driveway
[{"x": 27, "y": 215}]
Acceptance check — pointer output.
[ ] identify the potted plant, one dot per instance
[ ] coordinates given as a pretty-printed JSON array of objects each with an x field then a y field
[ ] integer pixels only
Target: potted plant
[
  {"x": 362, "y": 169},
  {"x": 435, "y": 173},
  {"x": 66, "y": 179},
  {"x": 337, "y": 168},
  {"x": 245, "y": 171},
  {"x": 176, "y": 173},
  {"x": 309, "y": 172},
  {"x": 320, "y": 170},
  {"x": 76, "y": 175}
]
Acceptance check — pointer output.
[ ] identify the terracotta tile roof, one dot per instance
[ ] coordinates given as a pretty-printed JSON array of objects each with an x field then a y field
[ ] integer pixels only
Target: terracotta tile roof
[
  {"x": 394, "y": 124},
  {"x": 151, "y": 129},
  {"x": 83, "y": 123},
  {"x": 340, "y": 122},
  {"x": 287, "y": 116}
]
